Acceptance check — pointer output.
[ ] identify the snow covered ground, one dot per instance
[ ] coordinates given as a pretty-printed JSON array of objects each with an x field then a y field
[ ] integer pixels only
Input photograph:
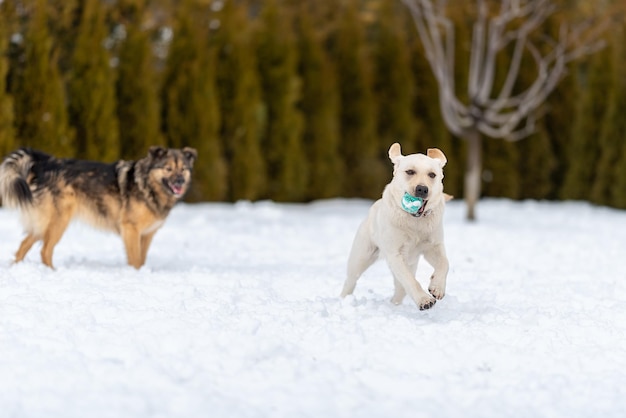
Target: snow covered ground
[{"x": 237, "y": 314}]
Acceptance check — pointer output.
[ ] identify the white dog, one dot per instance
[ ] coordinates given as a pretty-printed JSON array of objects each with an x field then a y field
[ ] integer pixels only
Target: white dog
[{"x": 403, "y": 225}]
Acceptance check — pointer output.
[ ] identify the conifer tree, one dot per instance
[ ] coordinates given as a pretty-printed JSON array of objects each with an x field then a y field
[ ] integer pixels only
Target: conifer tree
[
  {"x": 558, "y": 126},
  {"x": 320, "y": 107},
  {"x": 63, "y": 17},
  {"x": 41, "y": 118},
  {"x": 92, "y": 88},
  {"x": 536, "y": 164},
  {"x": 243, "y": 112},
  {"x": 612, "y": 136},
  {"x": 583, "y": 150},
  {"x": 360, "y": 148},
  {"x": 137, "y": 91},
  {"x": 277, "y": 54},
  {"x": 499, "y": 169},
  {"x": 191, "y": 110},
  {"x": 499, "y": 175},
  {"x": 518, "y": 180},
  {"x": 618, "y": 131},
  {"x": 394, "y": 85},
  {"x": 7, "y": 133}
]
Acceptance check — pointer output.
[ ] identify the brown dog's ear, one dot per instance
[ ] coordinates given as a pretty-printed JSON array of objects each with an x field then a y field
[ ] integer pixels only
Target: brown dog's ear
[
  {"x": 436, "y": 154},
  {"x": 157, "y": 152},
  {"x": 395, "y": 152},
  {"x": 190, "y": 154},
  {"x": 448, "y": 197}
]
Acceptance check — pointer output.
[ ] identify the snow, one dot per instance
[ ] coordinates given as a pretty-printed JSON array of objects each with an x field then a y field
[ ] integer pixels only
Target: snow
[{"x": 237, "y": 314}]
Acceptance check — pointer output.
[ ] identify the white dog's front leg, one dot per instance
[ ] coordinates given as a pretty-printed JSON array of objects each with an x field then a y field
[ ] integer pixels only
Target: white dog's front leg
[
  {"x": 401, "y": 273},
  {"x": 399, "y": 292},
  {"x": 436, "y": 257}
]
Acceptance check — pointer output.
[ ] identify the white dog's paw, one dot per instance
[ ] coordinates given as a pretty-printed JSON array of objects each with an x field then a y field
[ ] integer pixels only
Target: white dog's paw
[
  {"x": 426, "y": 302},
  {"x": 437, "y": 291},
  {"x": 397, "y": 300},
  {"x": 436, "y": 288}
]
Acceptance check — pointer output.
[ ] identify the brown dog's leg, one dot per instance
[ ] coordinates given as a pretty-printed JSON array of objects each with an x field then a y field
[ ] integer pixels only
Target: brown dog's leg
[
  {"x": 132, "y": 243},
  {"x": 25, "y": 246},
  {"x": 146, "y": 240},
  {"x": 53, "y": 234}
]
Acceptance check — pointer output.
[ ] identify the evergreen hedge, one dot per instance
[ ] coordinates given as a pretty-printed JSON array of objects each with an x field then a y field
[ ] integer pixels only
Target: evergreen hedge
[{"x": 289, "y": 100}]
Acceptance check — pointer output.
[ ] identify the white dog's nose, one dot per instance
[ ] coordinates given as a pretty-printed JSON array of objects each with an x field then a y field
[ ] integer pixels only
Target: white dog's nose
[{"x": 421, "y": 191}]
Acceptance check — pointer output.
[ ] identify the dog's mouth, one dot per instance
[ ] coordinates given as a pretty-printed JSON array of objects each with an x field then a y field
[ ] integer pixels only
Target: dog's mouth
[
  {"x": 421, "y": 210},
  {"x": 413, "y": 205},
  {"x": 176, "y": 188}
]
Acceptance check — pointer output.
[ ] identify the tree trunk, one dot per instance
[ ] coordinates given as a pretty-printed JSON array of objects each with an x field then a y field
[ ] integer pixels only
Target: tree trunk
[{"x": 473, "y": 172}]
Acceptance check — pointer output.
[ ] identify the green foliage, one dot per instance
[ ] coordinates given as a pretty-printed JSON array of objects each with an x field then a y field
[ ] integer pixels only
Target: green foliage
[
  {"x": 291, "y": 100},
  {"x": 137, "y": 93},
  {"x": 277, "y": 55},
  {"x": 583, "y": 149},
  {"x": 190, "y": 99},
  {"x": 320, "y": 107},
  {"x": 536, "y": 165},
  {"x": 366, "y": 173},
  {"x": 558, "y": 126},
  {"x": 534, "y": 161},
  {"x": 498, "y": 177},
  {"x": 63, "y": 24},
  {"x": 244, "y": 117},
  {"x": 7, "y": 133},
  {"x": 92, "y": 88},
  {"x": 394, "y": 86},
  {"x": 614, "y": 127},
  {"x": 604, "y": 190},
  {"x": 41, "y": 119}
]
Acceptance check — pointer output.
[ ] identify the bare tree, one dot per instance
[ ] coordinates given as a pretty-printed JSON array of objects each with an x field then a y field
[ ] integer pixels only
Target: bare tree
[{"x": 515, "y": 26}]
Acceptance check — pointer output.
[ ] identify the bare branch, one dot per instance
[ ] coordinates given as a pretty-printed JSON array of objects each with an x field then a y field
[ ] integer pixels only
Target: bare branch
[
  {"x": 440, "y": 57},
  {"x": 478, "y": 46},
  {"x": 501, "y": 115}
]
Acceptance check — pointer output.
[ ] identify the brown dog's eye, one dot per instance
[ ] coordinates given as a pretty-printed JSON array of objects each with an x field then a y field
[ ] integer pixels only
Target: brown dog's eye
[
  {"x": 410, "y": 172},
  {"x": 432, "y": 175}
]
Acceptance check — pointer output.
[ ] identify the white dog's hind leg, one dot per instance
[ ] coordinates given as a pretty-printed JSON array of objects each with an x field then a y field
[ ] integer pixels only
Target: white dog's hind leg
[
  {"x": 363, "y": 254},
  {"x": 436, "y": 257},
  {"x": 403, "y": 274}
]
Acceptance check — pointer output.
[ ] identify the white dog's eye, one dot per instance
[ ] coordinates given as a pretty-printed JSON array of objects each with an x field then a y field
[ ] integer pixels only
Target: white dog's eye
[
  {"x": 432, "y": 175},
  {"x": 410, "y": 172}
]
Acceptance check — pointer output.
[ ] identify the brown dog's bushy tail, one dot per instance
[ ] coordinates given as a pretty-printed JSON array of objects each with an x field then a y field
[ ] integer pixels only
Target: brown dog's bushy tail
[{"x": 14, "y": 173}]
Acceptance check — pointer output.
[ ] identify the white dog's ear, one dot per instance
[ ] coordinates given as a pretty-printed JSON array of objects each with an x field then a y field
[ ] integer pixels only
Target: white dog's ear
[
  {"x": 395, "y": 152},
  {"x": 436, "y": 154}
]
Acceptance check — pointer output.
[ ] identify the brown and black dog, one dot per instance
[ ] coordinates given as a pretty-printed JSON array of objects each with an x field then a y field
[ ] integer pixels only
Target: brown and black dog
[{"x": 130, "y": 198}]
